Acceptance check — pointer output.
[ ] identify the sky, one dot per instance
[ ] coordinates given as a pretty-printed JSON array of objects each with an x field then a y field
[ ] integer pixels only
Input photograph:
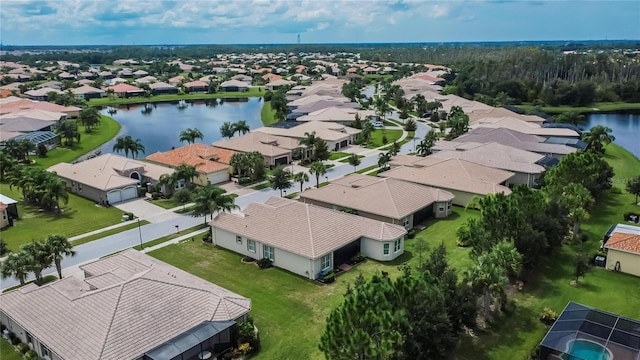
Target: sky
[{"x": 151, "y": 22}]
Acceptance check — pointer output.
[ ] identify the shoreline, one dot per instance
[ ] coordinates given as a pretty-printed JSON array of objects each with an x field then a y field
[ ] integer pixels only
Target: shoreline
[
  {"x": 598, "y": 108},
  {"x": 101, "y": 102}
]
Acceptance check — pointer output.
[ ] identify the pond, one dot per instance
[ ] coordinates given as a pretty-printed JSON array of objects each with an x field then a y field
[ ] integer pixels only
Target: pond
[
  {"x": 158, "y": 125},
  {"x": 626, "y": 129}
]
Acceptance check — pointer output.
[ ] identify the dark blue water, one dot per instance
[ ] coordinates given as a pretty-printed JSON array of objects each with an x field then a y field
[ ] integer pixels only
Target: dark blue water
[
  {"x": 159, "y": 127},
  {"x": 626, "y": 129}
]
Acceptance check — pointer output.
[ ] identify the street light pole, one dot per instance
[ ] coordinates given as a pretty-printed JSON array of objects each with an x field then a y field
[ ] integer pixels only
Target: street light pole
[{"x": 140, "y": 233}]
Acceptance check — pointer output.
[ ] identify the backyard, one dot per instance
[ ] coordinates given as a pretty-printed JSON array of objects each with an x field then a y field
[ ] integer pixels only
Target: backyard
[
  {"x": 79, "y": 216},
  {"x": 378, "y": 134}
]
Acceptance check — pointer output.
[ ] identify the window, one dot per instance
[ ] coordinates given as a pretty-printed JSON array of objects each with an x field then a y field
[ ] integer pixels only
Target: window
[
  {"x": 45, "y": 351},
  {"x": 268, "y": 252},
  {"x": 29, "y": 339},
  {"x": 440, "y": 207},
  {"x": 239, "y": 239},
  {"x": 397, "y": 245},
  {"x": 180, "y": 184},
  {"x": 325, "y": 262},
  {"x": 251, "y": 245},
  {"x": 448, "y": 206},
  {"x": 385, "y": 249},
  {"x": 405, "y": 221}
]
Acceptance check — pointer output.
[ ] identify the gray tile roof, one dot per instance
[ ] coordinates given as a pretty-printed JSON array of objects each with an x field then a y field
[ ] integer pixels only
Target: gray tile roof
[
  {"x": 307, "y": 230},
  {"x": 499, "y": 156},
  {"x": 102, "y": 318},
  {"x": 515, "y": 139},
  {"x": 386, "y": 197}
]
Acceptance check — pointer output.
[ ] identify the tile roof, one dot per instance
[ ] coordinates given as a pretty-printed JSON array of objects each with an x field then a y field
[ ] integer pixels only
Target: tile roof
[
  {"x": 207, "y": 159},
  {"x": 235, "y": 83},
  {"x": 196, "y": 83},
  {"x": 386, "y": 197},
  {"x": 122, "y": 88},
  {"x": 624, "y": 242},
  {"x": 267, "y": 145},
  {"x": 450, "y": 174},
  {"x": 326, "y": 131},
  {"x": 335, "y": 113},
  {"x": 23, "y": 124},
  {"x": 13, "y": 104},
  {"x": 498, "y": 112},
  {"x": 524, "y": 127},
  {"x": 498, "y": 156},
  {"x": 129, "y": 304},
  {"x": 105, "y": 172},
  {"x": 310, "y": 231},
  {"x": 514, "y": 139},
  {"x": 86, "y": 89}
]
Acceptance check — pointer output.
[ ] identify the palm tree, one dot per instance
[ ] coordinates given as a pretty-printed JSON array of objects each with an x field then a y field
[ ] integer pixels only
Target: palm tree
[
  {"x": 394, "y": 148},
  {"x": 423, "y": 148},
  {"x": 58, "y": 246},
  {"x": 53, "y": 190},
  {"x": 190, "y": 135},
  {"x": 16, "y": 265},
  {"x": 280, "y": 179},
  {"x": 227, "y": 130},
  {"x": 89, "y": 117},
  {"x": 210, "y": 199},
  {"x": 241, "y": 127},
  {"x": 569, "y": 117},
  {"x": 383, "y": 159},
  {"x": 185, "y": 172},
  {"x": 7, "y": 164},
  {"x": 128, "y": 145},
  {"x": 354, "y": 161},
  {"x": 301, "y": 177},
  {"x": 597, "y": 136},
  {"x": 382, "y": 107},
  {"x": 69, "y": 131},
  {"x": 309, "y": 141},
  {"x": 39, "y": 258},
  {"x": 488, "y": 279},
  {"x": 239, "y": 162},
  {"x": 318, "y": 169},
  {"x": 26, "y": 147}
]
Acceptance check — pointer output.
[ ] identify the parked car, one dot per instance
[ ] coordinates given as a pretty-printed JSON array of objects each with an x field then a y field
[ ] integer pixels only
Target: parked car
[{"x": 377, "y": 124}]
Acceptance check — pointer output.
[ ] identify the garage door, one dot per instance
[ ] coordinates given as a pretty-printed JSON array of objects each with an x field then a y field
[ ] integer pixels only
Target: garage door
[
  {"x": 218, "y": 177},
  {"x": 114, "y": 196},
  {"x": 282, "y": 160},
  {"x": 129, "y": 193}
]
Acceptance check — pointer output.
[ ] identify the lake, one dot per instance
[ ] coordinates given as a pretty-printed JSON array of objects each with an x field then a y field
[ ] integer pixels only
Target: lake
[
  {"x": 626, "y": 129},
  {"x": 158, "y": 125}
]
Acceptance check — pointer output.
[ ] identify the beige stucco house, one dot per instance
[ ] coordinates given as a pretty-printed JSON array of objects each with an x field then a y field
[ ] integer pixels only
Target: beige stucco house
[
  {"x": 305, "y": 239},
  {"x": 124, "y": 306},
  {"x": 211, "y": 163},
  {"x": 384, "y": 199},
  {"x": 623, "y": 249},
  {"x": 335, "y": 135},
  {"x": 276, "y": 150},
  {"x": 109, "y": 178}
]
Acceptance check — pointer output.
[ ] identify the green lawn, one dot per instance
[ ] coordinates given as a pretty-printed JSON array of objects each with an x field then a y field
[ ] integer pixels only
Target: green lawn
[
  {"x": 80, "y": 216},
  {"x": 267, "y": 114},
  {"x": 253, "y": 92},
  {"x": 377, "y": 134},
  {"x": 347, "y": 160},
  {"x": 173, "y": 236},
  {"x": 169, "y": 203},
  {"x": 7, "y": 351},
  {"x": 132, "y": 225},
  {"x": 369, "y": 168},
  {"x": 108, "y": 129},
  {"x": 335, "y": 155}
]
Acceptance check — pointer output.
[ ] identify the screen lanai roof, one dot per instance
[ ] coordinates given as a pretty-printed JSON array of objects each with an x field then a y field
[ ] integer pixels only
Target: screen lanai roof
[{"x": 618, "y": 334}]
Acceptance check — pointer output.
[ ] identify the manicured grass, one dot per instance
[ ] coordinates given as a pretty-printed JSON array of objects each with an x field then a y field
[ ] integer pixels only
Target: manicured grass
[
  {"x": 368, "y": 168},
  {"x": 253, "y": 92},
  {"x": 347, "y": 160},
  {"x": 79, "y": 216},
  {"x": 263, "y": 185},
  {"x": 173, "y": 236},
  {"x": 376, "y": 137},
  {"x": 7, "y": 351},
  {"x": 596, "y": 108},
  {"x": 515, "y": 335},
  {"x": 169, "y": 203},
  {"x": 132, "y": 225},
  {"x": 267, "y": 114},
  {"x": 107, "y": 130},
  {"x": 335, "y": 155}
]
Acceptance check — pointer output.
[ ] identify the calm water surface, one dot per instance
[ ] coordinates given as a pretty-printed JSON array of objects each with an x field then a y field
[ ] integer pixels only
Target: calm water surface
[
  {"x": 626, "y": 129},
  {"x": 159, "y": 127}
]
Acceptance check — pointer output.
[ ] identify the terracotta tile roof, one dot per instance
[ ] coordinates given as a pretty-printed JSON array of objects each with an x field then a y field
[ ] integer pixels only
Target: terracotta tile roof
[
  {"x": 11, "y": 105},
  {"x": 101, "y": 317},
  {"x": 207, "y": 159},
  {"x": 310, "y": 231},
  {"x": 122, "y": 88},
  {"x": 5, "y": 93},
  {"x": 386, "y": 197},
  {"x": 624, "y": 242},
  {"x": 452, "y": 174},
  {"x": 196, "y": 83}
]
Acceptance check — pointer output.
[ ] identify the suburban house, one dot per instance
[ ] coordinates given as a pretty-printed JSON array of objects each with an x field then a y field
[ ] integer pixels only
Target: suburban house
[
  {"x": 87, "y": 92},
  {"x": 512, "y": 138},
  {"x": 276, "y": 150},
  {"x": 574, "y": 143},
  {"x": 212, "y": 163},
  {"x": 278, "y": 84},
  {"x": 125, "y": 306},
  {"x": 319, "y": 105},
  {"x": 499, "y": 112},
  {"x": 123, "y": 90},
  {"x": 234, "y": 86},
  {"x": 163, "y": 88},
  {"x": 303, "y": 238},
  {"x": 622, "y": 243},
  {"x": 530, "y": 128},
  {"x": 342, "y": 115},
  {"x": 5, "y": 220},
  {"x": 12, "y": 206},
  {"x": 306, "y": 100},
  {"x": 335, "y": 135},
  {"x": 42, "y": 94},
  {"x": 384, "y": 199},
  {"x": 462, "y": 178},
  {"x": 110, "y": 178},
  {"x": 524, "y": 164},
  {"x": 196, "y": 86}
]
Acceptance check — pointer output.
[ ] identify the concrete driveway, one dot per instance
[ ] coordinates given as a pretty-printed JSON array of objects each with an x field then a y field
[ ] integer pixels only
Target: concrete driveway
[{"x": 146, "y": 210}]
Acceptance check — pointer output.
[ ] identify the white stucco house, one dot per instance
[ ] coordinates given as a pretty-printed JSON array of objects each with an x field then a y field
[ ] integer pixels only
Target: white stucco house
[{"x": 305, "y": 239}]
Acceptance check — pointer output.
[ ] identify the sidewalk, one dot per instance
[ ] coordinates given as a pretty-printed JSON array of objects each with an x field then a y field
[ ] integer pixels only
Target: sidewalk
[{"x": 176, "y": 240}]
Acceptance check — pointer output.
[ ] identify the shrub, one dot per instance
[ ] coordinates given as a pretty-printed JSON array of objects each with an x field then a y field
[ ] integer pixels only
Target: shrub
[
  {"x": 384, "y": 139},
  {"x": 42, "y": 150},
  {"x": 548, "y": 316},
  {"x": 31, "y": 355},
  {"x": 228, "y": 355},
  {"x": 207, "y": 238},
  {"x": 329, "y": 277},
  {"x": 245, "y": 332},
  {"x": 245, "y": 348},
  {"x": 359, "y": 257},
  {"x": 411, "y": 234},
  {"x": 155, "y": 195},
  {"x": 3, "y": 248},
  {"x": 182, "y": 196},
  {"x": 23, "y": 348},
  {"x": 264, "y": 263}
]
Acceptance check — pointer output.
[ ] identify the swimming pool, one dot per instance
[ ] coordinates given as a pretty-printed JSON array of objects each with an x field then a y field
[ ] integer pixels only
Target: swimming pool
[{"x": 580, "y": 349}]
